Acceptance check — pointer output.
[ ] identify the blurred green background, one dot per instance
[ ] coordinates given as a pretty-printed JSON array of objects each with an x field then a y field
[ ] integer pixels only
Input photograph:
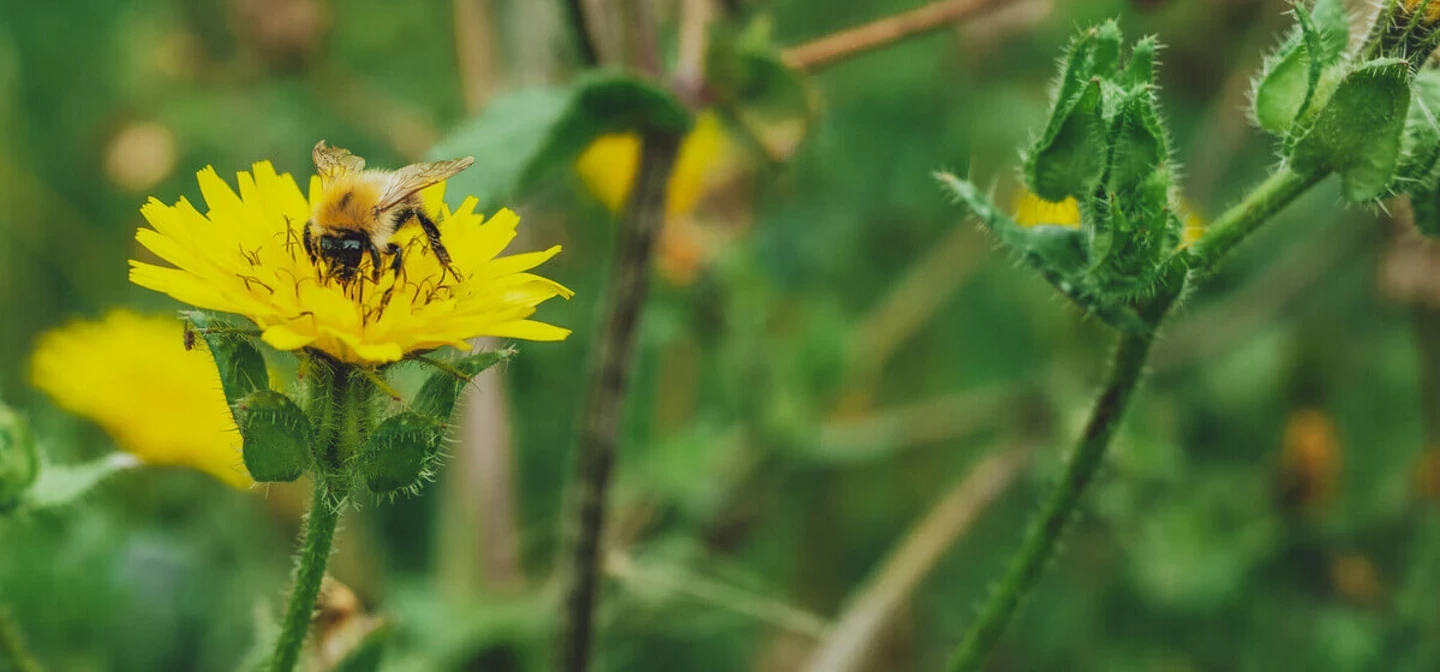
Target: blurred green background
[{"x": 843, "y": 351}]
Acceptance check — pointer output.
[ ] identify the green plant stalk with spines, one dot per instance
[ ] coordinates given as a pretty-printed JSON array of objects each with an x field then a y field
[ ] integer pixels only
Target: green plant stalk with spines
[{"x": 1044, "y": 534}]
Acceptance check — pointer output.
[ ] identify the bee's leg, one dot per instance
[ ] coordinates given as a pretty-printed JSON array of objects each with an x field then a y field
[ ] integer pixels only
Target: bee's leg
[
  {"x": 432, "y": 233},
  {"x": 374, "y": 260},
  {"x": 309, "y": 244},
  {"x": 395, "y": 264},
  {"x": 396, "y": 260}
]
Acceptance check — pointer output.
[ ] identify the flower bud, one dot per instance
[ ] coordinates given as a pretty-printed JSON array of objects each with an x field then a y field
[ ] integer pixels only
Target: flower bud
[
  {"x": 277, "y": 436},
  {"x": 398, "y": 455},
  {"x": 19, "y": 461}
]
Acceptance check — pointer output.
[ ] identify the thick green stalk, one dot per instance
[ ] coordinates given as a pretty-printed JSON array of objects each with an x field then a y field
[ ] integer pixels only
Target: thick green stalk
[
  {"x": 1049, "y": 526},
  {"x": 342, "y": 409},
  {"x": 12, "y": 646},
  {"x": 1232, "y": 227},
  {"x": 609, "y": 378}
]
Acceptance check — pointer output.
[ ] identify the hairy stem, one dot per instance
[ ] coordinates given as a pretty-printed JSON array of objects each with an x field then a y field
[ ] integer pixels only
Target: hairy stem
[
  {"x": 12, "y": 645},
  {"x": 600, "y": 422},
  {"x": 831, "y": 49},
  {"x": 341, "y": 405},
  {"x": 315, "y": 549},
  {"x": 1232, "y": 227},
  {"x": 1045, "y": 531}
]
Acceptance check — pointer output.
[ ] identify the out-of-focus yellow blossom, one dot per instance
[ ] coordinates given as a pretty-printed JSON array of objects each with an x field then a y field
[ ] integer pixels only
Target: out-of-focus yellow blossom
[
  {"x": 132, "y": 376},
  {"x": 1310, "y": 459},
  {"x": 245, "y": 256},
  {"x": 608, "y": 166},
  {"x": 1432, "y": 8},
  {"x": 1031, "y": 210}
]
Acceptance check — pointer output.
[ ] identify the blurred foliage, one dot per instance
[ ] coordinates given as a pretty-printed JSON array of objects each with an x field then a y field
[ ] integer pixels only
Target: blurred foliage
[{"x": 786, "y": 426}]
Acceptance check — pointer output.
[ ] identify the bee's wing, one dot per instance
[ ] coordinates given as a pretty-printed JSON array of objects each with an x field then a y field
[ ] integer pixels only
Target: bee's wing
[
  {"x": 332, "y": 162},
  {"x": 416, "y": 176}
]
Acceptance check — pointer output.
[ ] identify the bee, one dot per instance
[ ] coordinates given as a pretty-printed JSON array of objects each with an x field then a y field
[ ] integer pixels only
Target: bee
[{"x": 359, "y": 210}]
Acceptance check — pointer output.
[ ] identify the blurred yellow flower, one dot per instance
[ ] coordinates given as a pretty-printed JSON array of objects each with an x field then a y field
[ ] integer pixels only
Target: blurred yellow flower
[
  {"x": 132, "y": 376},
  {"x": 608, "y": 166},
  {"x": 1031, "y": 210},
  {"x": 245, "y": 256},
  {"x": 1432, "y": 8}
]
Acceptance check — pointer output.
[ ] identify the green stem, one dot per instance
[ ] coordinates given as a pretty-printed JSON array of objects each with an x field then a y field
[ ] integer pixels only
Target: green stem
[
  {"x": 1232, "y": 227},
  {"x": 315, "y": 549},
  {"x": 341, "y": 404},
  {"x": 12, "y": 645},
  {"x": 609, "y": 379},
  {"x": 584, "y": 36},
  {"x": 1039, "y": 545},
  {"x": 1049, "y": 526}
]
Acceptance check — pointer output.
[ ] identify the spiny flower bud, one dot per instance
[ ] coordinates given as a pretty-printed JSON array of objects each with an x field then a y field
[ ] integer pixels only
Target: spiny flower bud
[
  {"x": 1427, "y": 11},
  {"x": 399, "y": 455},
  {"x": 19, "y": 462}
]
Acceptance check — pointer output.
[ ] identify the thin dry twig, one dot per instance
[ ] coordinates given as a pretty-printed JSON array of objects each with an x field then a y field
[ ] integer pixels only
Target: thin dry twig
[
  {"x": 834, "y": 48},
  {"x": 853, "y": 639}
]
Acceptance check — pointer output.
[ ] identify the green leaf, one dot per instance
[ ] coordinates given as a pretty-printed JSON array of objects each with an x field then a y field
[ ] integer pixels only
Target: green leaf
[
  {"x": 397, "y": 456},
  {"x": 368, "y": 653},
  {"x": 1358, "y": 133},
  {"x": 1069, "y": 158},
  {"x": 60, "y": 485},
  {"x": 523, "y": 136},
  {"x": 771, "y": 103},
  {"x": 1420, "y": 150},
  {"x": 241, "y": 367},
  {"x": 1293, "y": 73},
  {"x": 277, "y": 436},
  {"x": 437, "y": 396}
]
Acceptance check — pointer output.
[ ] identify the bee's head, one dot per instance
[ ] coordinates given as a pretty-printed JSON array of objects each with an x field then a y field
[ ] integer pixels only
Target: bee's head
[{"x": 342, "y": 253}]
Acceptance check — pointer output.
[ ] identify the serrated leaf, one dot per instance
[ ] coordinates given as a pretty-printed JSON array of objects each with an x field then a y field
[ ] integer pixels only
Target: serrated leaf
[
  {"x": 1069, "y": 158},
  {"x": 1358, "y": 134},
  {"x": 437, "y": 396},
  {"x": 524, "y": 136}
]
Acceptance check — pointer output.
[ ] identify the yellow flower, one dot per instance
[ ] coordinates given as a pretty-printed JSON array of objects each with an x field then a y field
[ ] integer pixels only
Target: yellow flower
[
  {"x": 608, "y": 166},
  {"x": 1031, "y": 210},
  {"x": 1432, "y": 8},
  {"x": 132, "y": 376},
  {"x": 245, "y": 256}
]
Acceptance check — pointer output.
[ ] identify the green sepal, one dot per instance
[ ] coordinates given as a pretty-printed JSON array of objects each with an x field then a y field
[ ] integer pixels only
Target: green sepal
[
  {"x": 1291, "y": 76},
  {"x": 437, "y": 396},
  {"x": 1358, "y": 134},
  {"x": 1420, "y": 149},
  {"x": 398, "y": 456},
  {"x": 19, "y": 457},
  {"x": 241, "y": 367},
  {"x": 276, "y": 436},
  {"x": 1069, "y": 158},
  {"x": 1061, "y": 254},
  {"x": 1139, "y": 146}
]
